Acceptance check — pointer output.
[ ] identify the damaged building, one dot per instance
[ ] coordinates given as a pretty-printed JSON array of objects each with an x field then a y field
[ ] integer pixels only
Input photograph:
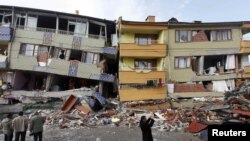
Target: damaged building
[
  {"x": 142, "y": 48},
  {"x": 206, "y": 59},
  {"x": 53, "y": 51}
]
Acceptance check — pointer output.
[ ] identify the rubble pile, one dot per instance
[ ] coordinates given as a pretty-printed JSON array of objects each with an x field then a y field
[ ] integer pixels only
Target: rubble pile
[{"x": 94, "y": 111}]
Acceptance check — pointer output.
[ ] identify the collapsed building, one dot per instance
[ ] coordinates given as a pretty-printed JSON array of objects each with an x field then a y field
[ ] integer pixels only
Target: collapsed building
[{"x": 52, "y": 51}]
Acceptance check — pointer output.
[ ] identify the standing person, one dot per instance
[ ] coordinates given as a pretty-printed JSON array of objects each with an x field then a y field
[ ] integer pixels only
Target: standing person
[
  {"x": 20, "y": 125},
  {"x": 6, "y": 124},
  {"x": 146, "y": 125},
  {"x": 36, "y": 126}
]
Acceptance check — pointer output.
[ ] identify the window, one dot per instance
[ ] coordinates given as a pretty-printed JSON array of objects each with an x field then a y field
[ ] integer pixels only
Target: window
[
  {"x": 221, "y": 35},
  {"x": 182, "y": 62},
  {"x": 33, "y": 50},
  {"x": 149, "y": 64},
  {"x": 60, "y": 53},
  {"x": 182, "y": 36},
  {"x": 203, "y": 35},
  {"x": 91, "y": 58},
  {"x": 144, "y": 39}
]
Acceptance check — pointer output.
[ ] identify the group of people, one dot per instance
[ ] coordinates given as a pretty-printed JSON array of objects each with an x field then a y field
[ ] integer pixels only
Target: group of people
[{"x": 19, "y": 126}]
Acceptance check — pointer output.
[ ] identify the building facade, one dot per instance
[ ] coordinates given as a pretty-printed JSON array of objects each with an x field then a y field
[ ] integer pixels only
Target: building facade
[
  {"x": 142, "y": 48},
  {"x": 207, "y": 59},
  {"x": 54, "y": 51}
]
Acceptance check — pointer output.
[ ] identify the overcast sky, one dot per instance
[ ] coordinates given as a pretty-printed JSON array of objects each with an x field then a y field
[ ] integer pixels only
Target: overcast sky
[{"x": 138, "y": 10}]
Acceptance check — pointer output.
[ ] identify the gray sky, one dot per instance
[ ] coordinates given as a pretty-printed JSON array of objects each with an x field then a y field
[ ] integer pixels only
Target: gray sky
[{"x": 138, "y": 10}]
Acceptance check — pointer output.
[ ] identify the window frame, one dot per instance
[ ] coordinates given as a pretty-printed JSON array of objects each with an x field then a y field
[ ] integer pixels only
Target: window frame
[{"x": 186, "y": 59}]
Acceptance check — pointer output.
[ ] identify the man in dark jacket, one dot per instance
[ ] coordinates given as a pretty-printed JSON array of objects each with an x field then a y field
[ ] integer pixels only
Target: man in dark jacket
[
  {"x": 6, "y": 124},
  {"x": 36, "y": 126},
  {"x": 146, "y": 125}
]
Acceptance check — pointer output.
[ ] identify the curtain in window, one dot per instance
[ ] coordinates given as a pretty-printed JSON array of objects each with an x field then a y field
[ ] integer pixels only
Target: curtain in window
[
  {"x": 29, "y": 50},
  {"x": 183, "y": 36},
  {"x": 225, "y": 35},
  {"x": 182, "y": 63},
  {"x": 219, "y": 35},
  {"x": 89, "y": 57},
  {"x": 213, "y": 35},
  {"x": 230, "y": 62},
  {"x": 96, "y": 56}
]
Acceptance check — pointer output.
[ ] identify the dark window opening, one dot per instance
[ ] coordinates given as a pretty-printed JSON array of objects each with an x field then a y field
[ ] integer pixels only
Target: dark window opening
[
  {"x": 63, "y": 24},
  {"x": 3, "y": 50},
  {"x": 75, "y": 55},
  {"x": 94, "y": 29},
  {"x": 62, "y": 83},
  {"x": 46, "y": 22},
  {"x": 20, "y": 21},
  {"x": 214, "y": 61},
  {"x": 71, "y": 27},
  {"x": 1, "y": 18},
  {"x": 7, "y": 19}
]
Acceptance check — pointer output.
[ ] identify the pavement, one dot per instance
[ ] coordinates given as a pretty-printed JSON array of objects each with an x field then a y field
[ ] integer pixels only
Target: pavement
[{"x": 110, "y": 134}]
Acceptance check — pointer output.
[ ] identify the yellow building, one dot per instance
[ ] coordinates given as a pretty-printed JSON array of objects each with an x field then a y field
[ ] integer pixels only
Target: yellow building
[{"x": 142, "y": 47}]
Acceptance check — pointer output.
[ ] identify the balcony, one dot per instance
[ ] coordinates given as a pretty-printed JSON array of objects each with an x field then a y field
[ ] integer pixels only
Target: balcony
[
  {"x": 132, "y": 94},
  {"x": 60, "y": 38},
  {"x": 245, "y": 46},
  {"x": 128, "y": 77},
  {"x": 5, "y": 34},
  {"x": 148, "y": 50}
]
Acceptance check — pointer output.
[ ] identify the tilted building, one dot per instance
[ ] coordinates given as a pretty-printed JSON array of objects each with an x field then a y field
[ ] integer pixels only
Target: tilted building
[{"x": 54, "y": 51}]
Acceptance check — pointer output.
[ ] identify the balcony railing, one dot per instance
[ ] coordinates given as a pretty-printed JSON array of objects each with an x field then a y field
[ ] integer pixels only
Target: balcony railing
[{"x": 63, "y": 32}]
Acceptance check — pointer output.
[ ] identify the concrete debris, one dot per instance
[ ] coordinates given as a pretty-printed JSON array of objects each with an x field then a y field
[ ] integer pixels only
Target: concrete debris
[{"x": 172, "y": 114}]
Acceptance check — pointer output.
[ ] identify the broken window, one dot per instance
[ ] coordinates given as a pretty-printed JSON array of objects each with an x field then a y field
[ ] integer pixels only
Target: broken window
[
  {"x": 75, "y": 55},
  {"x": 145, "y": 64},
  {"x": 145, "y": 39},
  {"x": 182, "y": 62}
]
